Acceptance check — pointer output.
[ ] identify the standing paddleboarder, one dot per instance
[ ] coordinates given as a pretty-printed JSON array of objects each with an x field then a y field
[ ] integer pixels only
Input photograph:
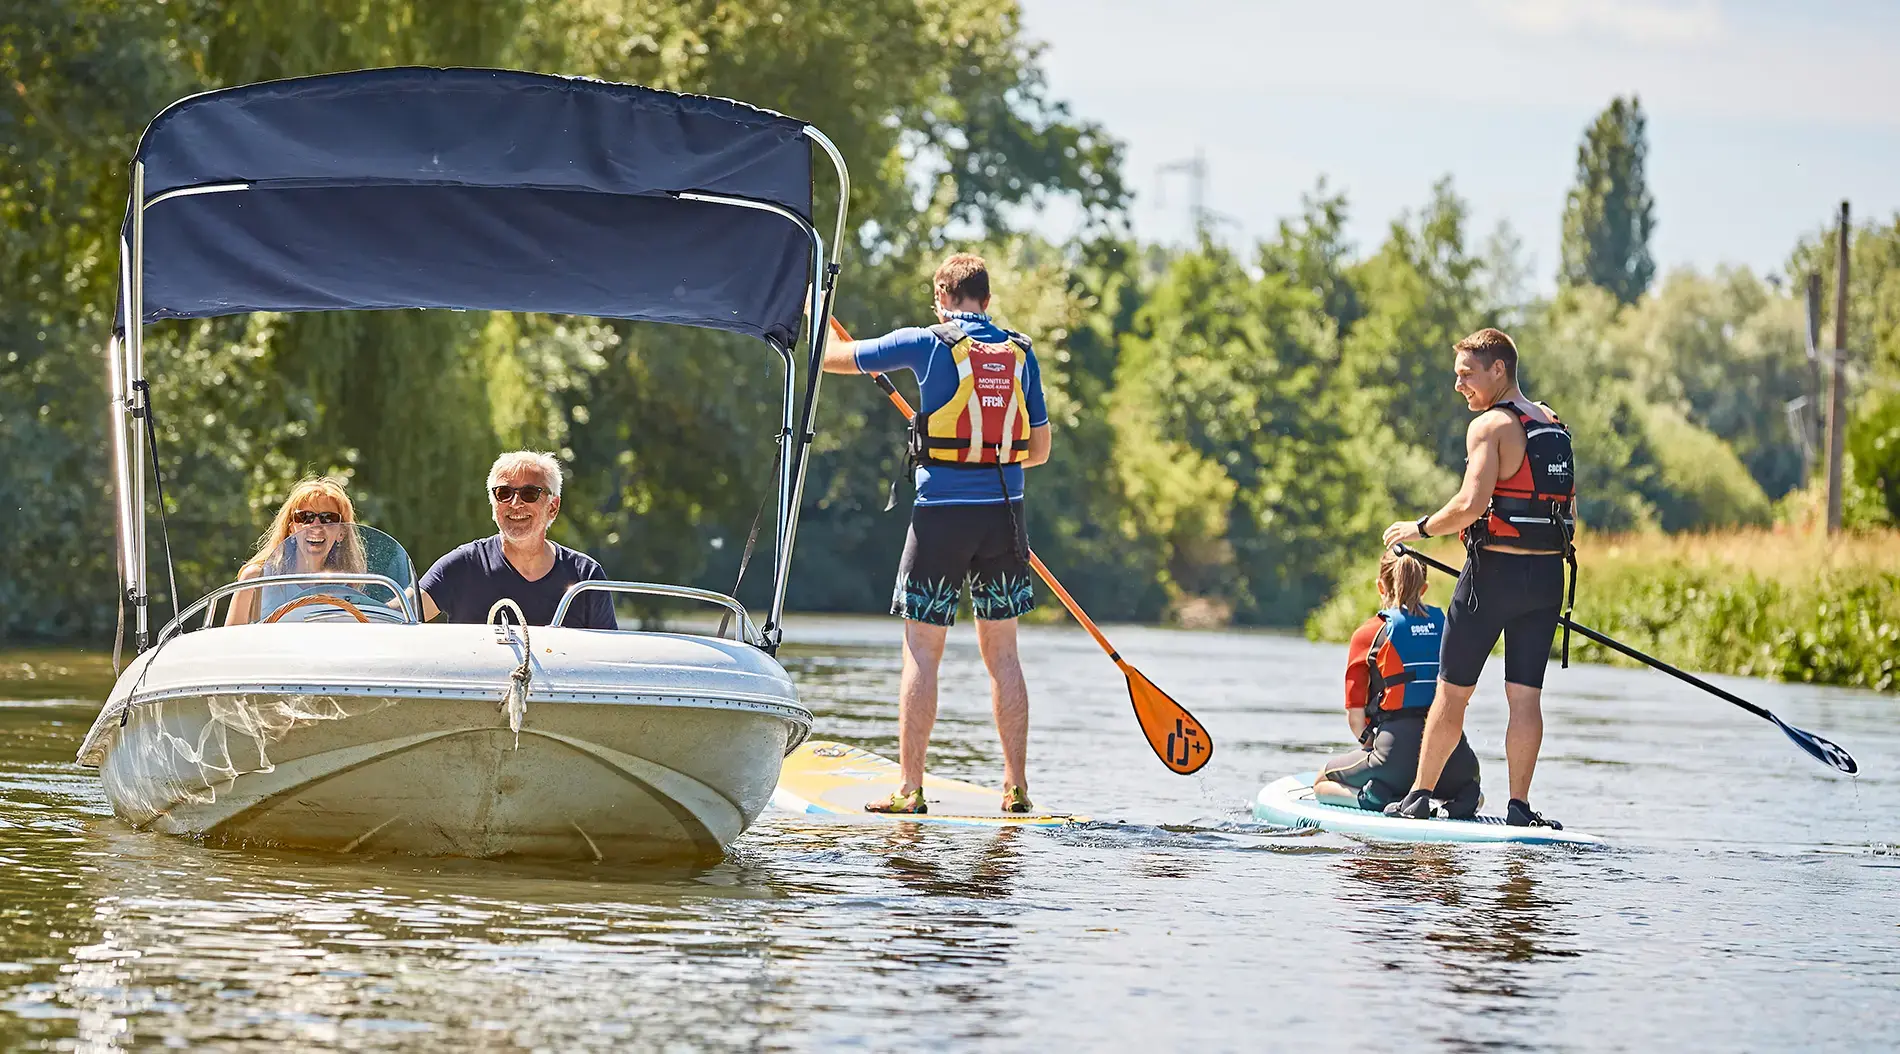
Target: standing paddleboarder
[
  {"x": 1516, "y": 510},
  {"x": 981, "y": 422}
]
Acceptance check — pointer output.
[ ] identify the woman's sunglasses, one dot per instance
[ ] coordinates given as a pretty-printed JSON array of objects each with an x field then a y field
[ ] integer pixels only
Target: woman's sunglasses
[
  {"x": 528, "y": 494},
  {"x": 305, "y": 517}
]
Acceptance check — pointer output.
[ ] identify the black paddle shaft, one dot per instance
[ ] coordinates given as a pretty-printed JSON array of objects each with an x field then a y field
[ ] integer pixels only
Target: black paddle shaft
[{"x": 1824, "y": 751}]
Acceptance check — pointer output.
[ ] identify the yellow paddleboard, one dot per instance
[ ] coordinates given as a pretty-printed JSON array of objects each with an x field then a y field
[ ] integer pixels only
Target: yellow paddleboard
[{"x": 832, "y": 779}]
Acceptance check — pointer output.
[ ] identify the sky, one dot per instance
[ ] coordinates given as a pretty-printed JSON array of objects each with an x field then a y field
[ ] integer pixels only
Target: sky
[{"x": 1763, "y": 116}]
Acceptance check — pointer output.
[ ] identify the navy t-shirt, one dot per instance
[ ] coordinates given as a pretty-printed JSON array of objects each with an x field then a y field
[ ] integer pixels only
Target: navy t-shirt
[{"x": 467, "y": 582}]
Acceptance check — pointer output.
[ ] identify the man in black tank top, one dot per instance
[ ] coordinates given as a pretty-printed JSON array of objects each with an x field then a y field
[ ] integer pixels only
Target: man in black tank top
[{"x": 1514, "y": 510}]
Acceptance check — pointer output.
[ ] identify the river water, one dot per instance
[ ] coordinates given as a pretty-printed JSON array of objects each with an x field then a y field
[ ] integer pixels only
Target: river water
[{"x": 1751, "y": 900}]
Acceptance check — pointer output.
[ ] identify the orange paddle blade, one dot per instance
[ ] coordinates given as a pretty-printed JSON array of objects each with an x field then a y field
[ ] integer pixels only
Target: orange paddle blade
[{"x": 1177, "y": 738}]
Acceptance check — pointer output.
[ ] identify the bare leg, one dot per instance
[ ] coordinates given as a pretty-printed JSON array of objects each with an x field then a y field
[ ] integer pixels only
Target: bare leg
[
  {"x": 1523, "y": 736},
  {"x": 917, "y": 698},
  {"x": 1009, "y": 696},
  {"x": 1333, "y": 792},
  {"x": 1444, "y": 725}
]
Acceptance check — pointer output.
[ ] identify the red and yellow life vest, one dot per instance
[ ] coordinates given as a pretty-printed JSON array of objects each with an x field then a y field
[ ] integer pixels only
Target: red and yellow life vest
[{"x": 987, "y": 421}]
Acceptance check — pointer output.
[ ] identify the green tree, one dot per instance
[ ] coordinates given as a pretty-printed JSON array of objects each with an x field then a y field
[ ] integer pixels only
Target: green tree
[
  {"x": 1873, "y": 294},
  {"x": 1233, "y": 425},
  {"x": 1873, "y": 347},
  {"x": 1609, "y": 214},
  {"x": 76, "y": 81},
  {"x": 1583, "y": 376},
  {"x": 1649, "y": 390},
  {"x": 1873, "y": 447},
  {"x": 1311, "y": 249},
  {"x": 1085, "y": 517},
  {"x": 1727, "y": 351},
  {"x": 668, "y": 431},
  {"x": 1422, "y": 293}
]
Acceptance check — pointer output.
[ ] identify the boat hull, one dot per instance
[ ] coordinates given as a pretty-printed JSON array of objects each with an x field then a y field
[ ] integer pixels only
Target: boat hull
[{"x": 640, "y": 771}]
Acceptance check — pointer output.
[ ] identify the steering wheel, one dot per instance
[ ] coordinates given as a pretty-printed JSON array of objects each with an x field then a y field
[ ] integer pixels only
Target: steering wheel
[{"x": 317, "y": 598}]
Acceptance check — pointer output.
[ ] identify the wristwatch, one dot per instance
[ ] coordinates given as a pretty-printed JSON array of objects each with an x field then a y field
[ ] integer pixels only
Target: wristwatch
[{"x": 1420, "y": 524}]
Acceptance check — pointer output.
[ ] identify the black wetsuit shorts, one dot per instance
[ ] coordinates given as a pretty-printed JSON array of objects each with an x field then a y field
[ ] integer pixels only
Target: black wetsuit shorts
[
  {"x": 986, "y": 545},
  {"x": 1385, "y": 768},
  {"x": 1513, "y": 595}
]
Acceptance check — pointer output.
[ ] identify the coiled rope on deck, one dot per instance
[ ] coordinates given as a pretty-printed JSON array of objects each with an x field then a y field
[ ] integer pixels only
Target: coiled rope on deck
[{"x": 514, "y": 698}]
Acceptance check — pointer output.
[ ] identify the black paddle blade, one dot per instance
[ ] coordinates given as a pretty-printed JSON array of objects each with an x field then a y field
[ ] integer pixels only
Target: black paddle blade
[{"x": 1820, "y": 749}]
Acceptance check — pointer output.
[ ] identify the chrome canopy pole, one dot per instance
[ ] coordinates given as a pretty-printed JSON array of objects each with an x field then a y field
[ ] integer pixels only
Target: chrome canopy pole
[
  {"x": 121, "y": 463},
  {"x": 780, "y": 542},
  {"x": 116, "y": 351},
  {"x": 844, "y": 190},
  {"x": 823, "y": 290},
  {"x": 137, "y": 421},
  {"x": 823, "y": 285},
  {"x": 136, "y": 400},
  {"x": 792, "y": 478}
]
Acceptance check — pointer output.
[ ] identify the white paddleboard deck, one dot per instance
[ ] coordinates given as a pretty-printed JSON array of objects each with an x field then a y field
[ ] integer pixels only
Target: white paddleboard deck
[
  {"x": 1289, "y": 802},
  {"x": 835, "y": 779}
]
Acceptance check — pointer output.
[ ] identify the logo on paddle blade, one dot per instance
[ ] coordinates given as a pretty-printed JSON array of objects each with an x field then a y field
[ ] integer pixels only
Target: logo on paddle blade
[{"x": 1183, "y": 743}]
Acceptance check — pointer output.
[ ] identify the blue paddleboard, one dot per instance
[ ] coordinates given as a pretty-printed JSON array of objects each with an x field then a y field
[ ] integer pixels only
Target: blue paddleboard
[{"x": 1289, "y": 802}]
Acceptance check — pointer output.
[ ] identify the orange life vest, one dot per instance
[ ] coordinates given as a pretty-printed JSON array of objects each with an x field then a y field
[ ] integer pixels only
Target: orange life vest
[
  {"x": 1536, "y": 507},
  {"x": 987, "y": 421}
]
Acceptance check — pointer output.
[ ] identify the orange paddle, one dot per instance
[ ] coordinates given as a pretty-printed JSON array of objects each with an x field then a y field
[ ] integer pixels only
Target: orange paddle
[{"x": 1177, "y": 738}]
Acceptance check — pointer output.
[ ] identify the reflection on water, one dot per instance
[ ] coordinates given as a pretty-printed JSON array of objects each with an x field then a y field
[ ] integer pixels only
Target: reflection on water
[
  {"x": 1505, "y": 917},
  {"x": 1172, "y": 923},
  {"x": 982, "y": 871},
  {"x": 1483, "y": 927}
]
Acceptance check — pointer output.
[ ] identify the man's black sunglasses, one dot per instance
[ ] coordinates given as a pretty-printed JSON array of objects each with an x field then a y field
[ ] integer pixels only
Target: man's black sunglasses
[
  {"x": 305, "y": 517},
  {"x": 528, "y": 494}
]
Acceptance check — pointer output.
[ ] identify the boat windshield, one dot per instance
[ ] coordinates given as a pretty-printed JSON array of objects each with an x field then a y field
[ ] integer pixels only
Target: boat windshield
[{"x": 293, "y": 587}]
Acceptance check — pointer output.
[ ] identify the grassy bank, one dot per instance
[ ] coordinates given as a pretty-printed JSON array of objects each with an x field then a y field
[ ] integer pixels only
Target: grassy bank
[{"x": 1763, "y": 603}]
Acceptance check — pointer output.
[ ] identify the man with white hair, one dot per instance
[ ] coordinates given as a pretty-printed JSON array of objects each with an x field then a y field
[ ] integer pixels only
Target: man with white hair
[{"x": 519, "y": 563}]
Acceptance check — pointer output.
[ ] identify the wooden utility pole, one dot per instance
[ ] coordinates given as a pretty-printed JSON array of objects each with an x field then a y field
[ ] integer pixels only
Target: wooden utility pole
[
  {"x": 1804, "y": 411},
  {"x": 1837, "y": 387}
]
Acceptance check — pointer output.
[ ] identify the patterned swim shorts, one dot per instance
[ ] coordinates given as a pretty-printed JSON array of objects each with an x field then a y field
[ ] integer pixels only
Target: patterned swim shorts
[{"x": 986, "y": 545}]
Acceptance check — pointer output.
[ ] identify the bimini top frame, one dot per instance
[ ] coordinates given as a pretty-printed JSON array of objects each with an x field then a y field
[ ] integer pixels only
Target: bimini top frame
[{"x": 474, "y": 189}]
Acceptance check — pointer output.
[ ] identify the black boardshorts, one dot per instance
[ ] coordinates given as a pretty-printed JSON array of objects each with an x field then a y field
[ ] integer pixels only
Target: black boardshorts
[
  {"x": 1513, "y": 595},
  {"x": 1385, "y": 769},
  {"x": 986, "y": 545}
]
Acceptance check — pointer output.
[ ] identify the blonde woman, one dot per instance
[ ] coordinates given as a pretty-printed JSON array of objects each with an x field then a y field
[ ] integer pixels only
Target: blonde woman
[
  {"x": 1391, "y": 679},
  {"x": 313, "y": 531}
]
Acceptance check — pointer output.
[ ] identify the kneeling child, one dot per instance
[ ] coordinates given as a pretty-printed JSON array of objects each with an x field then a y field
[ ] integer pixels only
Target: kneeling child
[{"x": 1391, "y": 678}]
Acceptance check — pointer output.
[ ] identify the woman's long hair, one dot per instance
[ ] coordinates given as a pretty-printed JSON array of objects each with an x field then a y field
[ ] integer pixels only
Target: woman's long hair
[
  {"x": 319, "y": 494},
  {"x": 1402, "y": 582}
]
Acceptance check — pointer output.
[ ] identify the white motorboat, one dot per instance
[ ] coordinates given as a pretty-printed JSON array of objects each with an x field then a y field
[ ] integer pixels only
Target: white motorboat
[
  {"x": 338, "y": 720},
  {"x": 345, "y": 725}
]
